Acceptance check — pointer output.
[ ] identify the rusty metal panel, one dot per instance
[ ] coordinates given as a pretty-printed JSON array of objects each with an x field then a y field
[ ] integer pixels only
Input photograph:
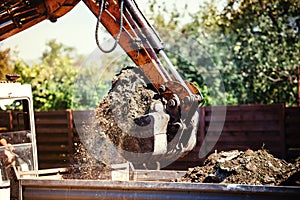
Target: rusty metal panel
[{"x": 88, "y": 190}]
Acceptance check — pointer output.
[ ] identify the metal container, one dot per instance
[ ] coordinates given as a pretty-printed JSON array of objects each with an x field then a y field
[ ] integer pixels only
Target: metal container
[
  {"x": 148, "y": 184},
  {"x": 141, "y": 190}
]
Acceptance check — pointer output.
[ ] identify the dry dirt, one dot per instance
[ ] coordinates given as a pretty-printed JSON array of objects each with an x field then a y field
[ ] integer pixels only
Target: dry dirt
[
  {"x": 128, "y": 99},
  {"x": 86, "y": 166},
  {"x": 121, "y": 117},
  {"x": 115, "y": 118},
  {"x": 244, "y": 167}
]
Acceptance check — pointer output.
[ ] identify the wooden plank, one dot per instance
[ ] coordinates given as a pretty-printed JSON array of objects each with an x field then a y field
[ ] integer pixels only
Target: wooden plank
[
  {"x": 53, "y": 158},
  {"x": 5, "y": 121},
  {"x": 258, "y": 116},
  {"x": 293, "y": 141},
  {"x": 54, "y": 155},
  {"x": 292, "y": 131},
  {"x": 50, "y": 113},
  {"x": 52, "y": 165},
  {"x": 292, "y": 111},
  {"x": 53, "y": 148},
  {"x": 293, "y": 120},
  {"x": 282, "y": 145},
  {"x": 48, "y": 121},
  {"x": 52, "y": 130},
  {"x": 247, "y": 128},
  {"x": 243, "y": 139},
  {"x": 70, "y": 133},
  {"x": 52, "y": 139}
]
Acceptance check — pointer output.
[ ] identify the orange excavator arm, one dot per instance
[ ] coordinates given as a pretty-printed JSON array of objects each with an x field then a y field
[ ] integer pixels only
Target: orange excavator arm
[
  {"x": 131, "y": 30},
  {"x": 137, "y": 37},
  {"x": 18, "y": 15}
]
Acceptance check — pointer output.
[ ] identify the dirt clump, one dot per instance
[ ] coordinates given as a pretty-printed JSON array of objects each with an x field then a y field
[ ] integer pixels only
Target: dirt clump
[
  {"x": 111, "y": 129},
  {"x": 128, "y": 99},
  {"x": 244, "y": 167}
]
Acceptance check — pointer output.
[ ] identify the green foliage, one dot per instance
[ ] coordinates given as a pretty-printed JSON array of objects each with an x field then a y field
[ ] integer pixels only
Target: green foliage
[
  {"x": 183, "y": 41},
  {"x": 61, "y": 80},
  {"x": 253, "y": 45},
  {"x": 58, "y": 82},
  {"x": 262, "y": 39},
  {"x": 95, "y": 77},
  {"x": 88, "y": 89},
  {"x": 52, "y": 79},
  {"x": 6, "y": 63}
]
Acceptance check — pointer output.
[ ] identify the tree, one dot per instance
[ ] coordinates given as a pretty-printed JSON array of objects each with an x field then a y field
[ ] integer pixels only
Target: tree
[
  {"x": 61, "y": 80},
  {"x": 261, "y": 39},
  {"x": 88, "y": 88},
  {"x": 264, "y": 47},
  {"x": 52, "y": 79},
  {"x": 187, "y": 48},
  {"x": 254, "y": 46},
  {"x": 6, "y": 62}
]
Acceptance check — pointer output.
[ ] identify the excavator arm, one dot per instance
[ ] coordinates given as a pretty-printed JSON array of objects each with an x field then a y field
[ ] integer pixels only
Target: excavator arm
[
  {"x": 131, "y": 30},
  {"x": 18, "y": 15}
]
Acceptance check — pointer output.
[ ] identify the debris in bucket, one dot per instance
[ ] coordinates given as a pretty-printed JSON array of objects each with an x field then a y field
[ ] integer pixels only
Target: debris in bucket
[
  {"x": 128, "y": 98},
  {"x": 244, "y": 167}
]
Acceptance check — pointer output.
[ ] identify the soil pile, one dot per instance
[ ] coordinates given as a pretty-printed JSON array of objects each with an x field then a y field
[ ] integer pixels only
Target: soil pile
[
  {"x": 112, "y": 128},
  {"x": 248, "y": 167},
  {"x": 128, "y": 99}
]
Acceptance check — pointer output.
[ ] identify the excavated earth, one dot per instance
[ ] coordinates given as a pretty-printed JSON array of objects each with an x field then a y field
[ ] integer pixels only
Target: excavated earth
[
  {"x": 244, "y": 167},
  {"x": 130, "y": 97}
]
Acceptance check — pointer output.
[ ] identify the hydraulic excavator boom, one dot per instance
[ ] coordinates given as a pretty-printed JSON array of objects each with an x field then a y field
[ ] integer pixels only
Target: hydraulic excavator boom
[{"x": 131, "y": 30}]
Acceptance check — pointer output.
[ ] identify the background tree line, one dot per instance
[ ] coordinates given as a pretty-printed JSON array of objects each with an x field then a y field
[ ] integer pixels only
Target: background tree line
[
  {"x": 254, "y": 45},
  {"x": 245, "y": 53},
  {"x": 56, "y": 78}
]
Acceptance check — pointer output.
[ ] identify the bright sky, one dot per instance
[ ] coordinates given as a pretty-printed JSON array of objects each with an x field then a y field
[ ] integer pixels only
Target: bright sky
[{"x": 75, "y": 29}]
